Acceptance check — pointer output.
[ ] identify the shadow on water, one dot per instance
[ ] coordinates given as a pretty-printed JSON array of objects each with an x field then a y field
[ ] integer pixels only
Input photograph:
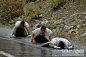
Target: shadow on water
[{"x": 22, "y": 47}]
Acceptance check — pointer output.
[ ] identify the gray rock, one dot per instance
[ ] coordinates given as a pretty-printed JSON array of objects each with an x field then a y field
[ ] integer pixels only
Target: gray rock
[
  {"x": 78, "y": 26},
  {"x": 70, "y": 27},
  {"x": 83, "y": 35},
  {"x": 66, "y": 28},
  {"x": 73, "y": 30},
  {"x": 35, "y": 26},
  {"x": 85, "y": 17},
  {"x": 61, "y": 27},
  {"x": 45, "y": 22},
  {"x": 54, "y": 30},
  {"x": 41, "y": 16}
]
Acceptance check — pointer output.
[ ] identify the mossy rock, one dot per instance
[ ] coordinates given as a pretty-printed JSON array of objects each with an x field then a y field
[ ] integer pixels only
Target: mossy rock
[{"x": 53, "y": 26}]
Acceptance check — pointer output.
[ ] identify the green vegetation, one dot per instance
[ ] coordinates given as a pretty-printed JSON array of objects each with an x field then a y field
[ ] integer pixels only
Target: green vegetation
[
  {"x": 53, "y": 26},
  {"x": 31, "y": 11},
  {"x": 11, "y": 9},
  {"x": 55, "y": 3}
]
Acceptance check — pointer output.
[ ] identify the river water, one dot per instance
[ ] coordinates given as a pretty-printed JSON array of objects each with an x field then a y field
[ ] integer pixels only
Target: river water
[{"x": 22, "y": 47}]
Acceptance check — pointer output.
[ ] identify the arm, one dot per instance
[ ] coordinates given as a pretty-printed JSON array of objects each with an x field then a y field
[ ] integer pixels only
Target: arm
[
  {"x": 53, "y": 46},
  {"x": 50, "y": 38},
  {"x": 28, "y": 31},
  {"x": 14, "y": 32},
  {"x": 33, "y": 40}
]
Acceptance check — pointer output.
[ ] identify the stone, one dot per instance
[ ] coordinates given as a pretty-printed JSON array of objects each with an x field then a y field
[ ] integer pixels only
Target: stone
[
  {"x": 85, "y": 17},
  {"x": 39, "y": 25},
  {"x": 71, "y": 27},
  {"x": 61, "y": 27},
  {"x": 73, "y": 30},
  {"x": 84, "y": 25},
  {"x": 83, "y": 35},
  {"x": 66, "y": 28},
  {"x": 78, "y": 26},
  {"x": 54, "y": 30},
  {"x": 41, "y": 16}
]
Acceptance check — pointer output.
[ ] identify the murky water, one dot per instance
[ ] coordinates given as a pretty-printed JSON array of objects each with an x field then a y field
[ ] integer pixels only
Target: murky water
[{"x": 22, "y": 47}]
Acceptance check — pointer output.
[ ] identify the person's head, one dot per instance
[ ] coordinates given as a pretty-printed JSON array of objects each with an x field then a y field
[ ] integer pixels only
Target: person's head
[
  {"x": 22, "y": 23},
  {"x": 43, "y": 28},
  {"x": 61, "y": 45}
]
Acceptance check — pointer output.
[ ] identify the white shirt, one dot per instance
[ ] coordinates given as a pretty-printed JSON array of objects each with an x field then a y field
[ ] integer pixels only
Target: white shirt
[
  {"x": 37, "y": 31},
  {"x": 55, "y": 41},
  {"x": 17, "y": 24}
]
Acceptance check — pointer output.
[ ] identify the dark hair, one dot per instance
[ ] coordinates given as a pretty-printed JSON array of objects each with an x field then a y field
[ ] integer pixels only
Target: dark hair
[
  {"x": 22, "y": 22},
  {"x": 61, "y": 45},
  {"x": 43, "y": 27}
]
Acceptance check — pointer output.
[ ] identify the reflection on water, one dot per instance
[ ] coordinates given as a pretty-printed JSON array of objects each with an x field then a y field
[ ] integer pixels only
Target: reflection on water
[{"x": 23, "y": 48}]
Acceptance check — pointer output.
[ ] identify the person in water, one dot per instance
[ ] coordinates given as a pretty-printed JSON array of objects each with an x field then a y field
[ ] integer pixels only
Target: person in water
[
  {"x": 21, "y": 29},
  {"x": 39, "y": 35},
  {"x": 58, "y": 43}
]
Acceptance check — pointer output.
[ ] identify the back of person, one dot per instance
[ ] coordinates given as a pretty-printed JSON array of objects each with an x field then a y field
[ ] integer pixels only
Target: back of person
[
  {"x": 21, "y": 29},
  {"x": 58, "y": 43},
  {"x": 39, "y": 35}
]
